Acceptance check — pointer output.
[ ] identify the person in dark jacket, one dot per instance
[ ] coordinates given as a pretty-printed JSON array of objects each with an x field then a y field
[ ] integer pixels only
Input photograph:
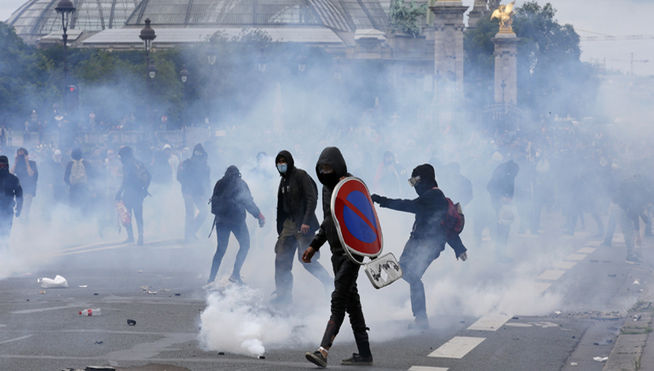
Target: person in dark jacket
[
  {"x": 297, "y": 197},
  {"x": 428, "y": 236},
  {"x": 501, "y": 188},
  {"x": 77, "y": 178},
  {"x": 193, "y": 175},
  {"x": 231, "y": 198},
  {"x": 28, "y": 175},
  {"x": 133, "y": 190},
  {"x": 331, "y": 168},
  {"x": 11, "y": 200}
]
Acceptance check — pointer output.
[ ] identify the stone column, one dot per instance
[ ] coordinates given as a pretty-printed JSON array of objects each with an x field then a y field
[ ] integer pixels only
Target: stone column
[
  {"x": 506, "y": 74},
  {"x": 479, "y": 10},
  {"x": 448, "y": 46}
]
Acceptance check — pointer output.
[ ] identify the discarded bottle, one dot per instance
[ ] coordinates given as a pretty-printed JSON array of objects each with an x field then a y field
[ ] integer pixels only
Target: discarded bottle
[{"x": 91, "y": 312}]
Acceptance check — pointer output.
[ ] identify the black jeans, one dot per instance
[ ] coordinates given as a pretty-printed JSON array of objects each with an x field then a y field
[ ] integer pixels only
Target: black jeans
[
  {"x": 345, "y": 298},
  {"x": 193, "y": 223},
  {"x": 242, "y": 235}
]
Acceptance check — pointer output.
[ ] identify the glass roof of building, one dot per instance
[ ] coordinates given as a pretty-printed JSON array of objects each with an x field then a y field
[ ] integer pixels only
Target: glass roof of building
[{"x": 37, "y": 18}]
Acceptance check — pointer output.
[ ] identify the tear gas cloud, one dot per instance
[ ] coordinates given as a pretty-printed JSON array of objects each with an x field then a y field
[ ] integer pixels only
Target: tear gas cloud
[{"x": 306, "y": 112}]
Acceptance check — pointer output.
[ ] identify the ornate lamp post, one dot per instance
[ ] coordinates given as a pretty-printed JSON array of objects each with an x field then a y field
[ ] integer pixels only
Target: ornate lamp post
[
  {"x": 66, "y": 9},
  {"x": 148, "y": 35}
]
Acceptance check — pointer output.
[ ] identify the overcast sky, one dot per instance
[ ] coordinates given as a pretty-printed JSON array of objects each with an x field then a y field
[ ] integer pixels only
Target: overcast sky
[{"x": 590, "y": 18}]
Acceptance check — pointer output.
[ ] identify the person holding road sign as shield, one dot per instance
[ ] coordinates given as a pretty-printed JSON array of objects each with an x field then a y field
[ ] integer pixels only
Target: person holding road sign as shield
[
  {"x": 428, "y": 237},
  {"x": 331, "y": 169}
]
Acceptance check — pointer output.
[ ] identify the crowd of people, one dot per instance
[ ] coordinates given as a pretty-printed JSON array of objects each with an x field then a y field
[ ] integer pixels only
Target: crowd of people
[{"x": 506, "y": 181}]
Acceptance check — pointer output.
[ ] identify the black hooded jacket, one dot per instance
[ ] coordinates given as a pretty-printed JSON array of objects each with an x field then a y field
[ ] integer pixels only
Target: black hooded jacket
[
  {"x": 193, "y": 173},
  {"x": 10, "y": 190},
  {"x": 297, "y": 196},
  {"x": 330, "y": 156},
  {"x": 231, "y": 197}
]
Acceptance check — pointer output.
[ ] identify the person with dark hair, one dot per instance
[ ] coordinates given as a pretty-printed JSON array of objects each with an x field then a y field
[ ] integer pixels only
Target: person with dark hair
[
  {"x": 231, "y": 198},
  {"x": 77, "y": 178},
  {"x": 133, "y": 190},
  {"x": 28, "y": 174},
  {"x": 331, "y": 168},
  {"x": 193, "y": 175},
  {"x": 428, "y": 236},
  {"x": 297, "y": 197},
  {"x": 11, "y": 200}
]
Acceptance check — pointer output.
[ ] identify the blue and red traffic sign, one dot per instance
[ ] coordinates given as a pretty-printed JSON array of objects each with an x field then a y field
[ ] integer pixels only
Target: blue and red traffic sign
[{"x": 356, "y": 219}]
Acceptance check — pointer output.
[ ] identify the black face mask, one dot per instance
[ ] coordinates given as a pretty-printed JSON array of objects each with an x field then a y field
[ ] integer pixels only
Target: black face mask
[
  {"x": 421, "y": 188},
  {"x": 329, "y": 179}
]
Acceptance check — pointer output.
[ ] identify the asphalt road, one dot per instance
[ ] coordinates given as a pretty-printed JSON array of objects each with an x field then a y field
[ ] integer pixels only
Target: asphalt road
[{"x": 40, "y": 329}]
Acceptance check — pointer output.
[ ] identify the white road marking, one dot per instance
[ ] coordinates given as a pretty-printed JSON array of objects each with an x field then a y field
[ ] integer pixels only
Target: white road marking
[
  {"x": 576, "y": 257},
  {"x": 586, "y": 250},
  {"x": 37, "y": 310},
  {"x": 490, "y": 322},
  {"x": 541, "y": 287},
  {"x": 551, "y": 275},
  {"x": 427, "y": 368},
  {"x": 457, "y": 347},
  {"x": 517, "y": 324},
  {"x": 15, "y": 339},
  {"x": 564, "y": 265}
]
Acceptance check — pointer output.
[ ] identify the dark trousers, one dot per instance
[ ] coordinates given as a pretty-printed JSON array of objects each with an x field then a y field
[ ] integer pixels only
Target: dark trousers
[
  {"x": 242, "y": 235},
  {"x": 345, "y": 298},
  {"x": 414, "y": 261},
  {"x": 193, "y": 223},
  {"x": 135, "y": 208},
  {"x": 289, "y": 241}
]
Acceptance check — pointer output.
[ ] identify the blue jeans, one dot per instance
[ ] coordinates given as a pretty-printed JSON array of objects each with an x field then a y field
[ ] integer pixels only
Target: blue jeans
[
  {"x": 414, "y": 261},
  {"x": 242, "y": 235}
]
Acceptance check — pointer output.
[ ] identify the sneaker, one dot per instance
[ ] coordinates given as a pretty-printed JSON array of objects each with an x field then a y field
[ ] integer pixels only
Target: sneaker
[
  {"x": 357, "y": 360},
  {"x": 236, "y": 280},
  {"x": 316, "y": 358}
]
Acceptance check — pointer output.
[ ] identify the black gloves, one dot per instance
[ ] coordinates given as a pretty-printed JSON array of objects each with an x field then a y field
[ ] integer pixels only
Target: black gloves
[{"x": 378, "y": 199}]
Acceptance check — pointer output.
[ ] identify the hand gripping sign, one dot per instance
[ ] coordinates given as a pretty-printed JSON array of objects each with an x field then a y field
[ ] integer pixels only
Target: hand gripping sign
[{"x": 359, "y": 231}]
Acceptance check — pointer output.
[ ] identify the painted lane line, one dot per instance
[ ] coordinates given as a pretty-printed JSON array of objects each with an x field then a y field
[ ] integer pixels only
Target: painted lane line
[
  {"x": 37, "y": 310},
  {"x": 15, "y": 339},
  {"x": 427, "y": 368},
  {"x": 576, "y": 257},
  {"x": 551, "y": 275},
  {"x": 517, "y": 324},
  {"x": 457, "y": 347},
  {"x": 490, "y": 322},
  {"x": 541, "y": 287},
  {"x": 586, "y": 250},
  {"x": 564, "y": 265}
]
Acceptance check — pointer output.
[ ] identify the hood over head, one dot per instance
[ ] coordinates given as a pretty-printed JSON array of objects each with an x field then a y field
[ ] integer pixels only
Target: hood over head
[
  {"x": 198, "y": 151},
  {"x": 427, "y": 178},
  {"x": 232, "y": 172},
  {"x": 286, "y": 155},
  {"x": 76, "y": 154},
  {"x": 4, "y": 163},
  {"x": 331, "y": 156}
]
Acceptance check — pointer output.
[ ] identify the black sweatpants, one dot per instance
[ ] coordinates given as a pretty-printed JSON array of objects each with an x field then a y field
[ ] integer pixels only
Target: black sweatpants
[{"x": 345, "y": 298}]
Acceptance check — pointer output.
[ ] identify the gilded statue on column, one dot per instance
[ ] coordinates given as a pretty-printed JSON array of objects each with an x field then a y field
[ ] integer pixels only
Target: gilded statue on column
[{"x": 503, "y": 14}]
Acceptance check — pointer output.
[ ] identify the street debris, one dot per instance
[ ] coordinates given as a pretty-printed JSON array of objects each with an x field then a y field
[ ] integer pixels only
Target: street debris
[
  {"x": 90, "y": 312},
  {"x": 636, "y": 282},
  {"x": 83, "y": 286},
  {"x": 131, "y": 322},
  {"x": 51, "y": 283},
  {"x": 600, "y": 359},
  {"x": 574, "y": 364},
  {"x": 99, "y": 342}
]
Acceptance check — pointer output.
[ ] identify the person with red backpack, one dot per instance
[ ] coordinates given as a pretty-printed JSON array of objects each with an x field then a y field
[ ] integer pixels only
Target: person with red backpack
[{"x": 438, "y": 220}]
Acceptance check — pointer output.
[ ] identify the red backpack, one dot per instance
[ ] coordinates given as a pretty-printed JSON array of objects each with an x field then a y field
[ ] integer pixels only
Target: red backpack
[{"x": 454, "y": 219}]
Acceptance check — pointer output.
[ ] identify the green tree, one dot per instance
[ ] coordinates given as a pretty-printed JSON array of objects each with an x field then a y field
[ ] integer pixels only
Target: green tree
[
  {"x": 407, "y": 16},
  {"x": 551, "y": 77}
]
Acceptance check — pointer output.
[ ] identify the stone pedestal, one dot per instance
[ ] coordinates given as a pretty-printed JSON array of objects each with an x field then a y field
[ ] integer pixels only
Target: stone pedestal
[
  {"x": 506, "y": 74},
  {"x": 448, "y": 46},
  {"x": 479, "y": 10}
]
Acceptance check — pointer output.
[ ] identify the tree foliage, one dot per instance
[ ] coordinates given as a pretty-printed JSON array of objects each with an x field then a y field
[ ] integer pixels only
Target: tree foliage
[
  {"x": 407, "y": 16},
  {"x": 551, "y": 77}
]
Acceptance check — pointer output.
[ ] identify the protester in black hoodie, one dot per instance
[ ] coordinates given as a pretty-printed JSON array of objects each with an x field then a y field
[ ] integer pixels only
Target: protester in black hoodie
[
  {"x": 428, "y": 236},
  {"x": 231, "y": 198},
  {"x": 11, "y": 196},
  {"x": 297, "y": 198},
  {"x": 193, "y": 175},
  {"x": 331, "y": 168}
]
